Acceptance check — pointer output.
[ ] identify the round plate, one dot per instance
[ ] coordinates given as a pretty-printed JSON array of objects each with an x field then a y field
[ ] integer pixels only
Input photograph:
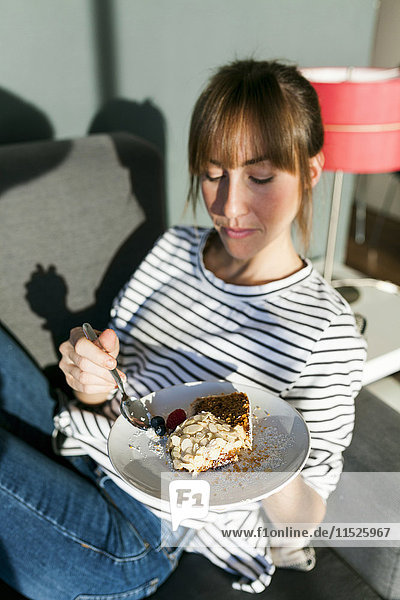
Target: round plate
[{"x": 281, "y": 444}]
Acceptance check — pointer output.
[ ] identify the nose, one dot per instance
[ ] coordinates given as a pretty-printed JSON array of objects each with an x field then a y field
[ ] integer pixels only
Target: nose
[{"x": 233, "y": 198}]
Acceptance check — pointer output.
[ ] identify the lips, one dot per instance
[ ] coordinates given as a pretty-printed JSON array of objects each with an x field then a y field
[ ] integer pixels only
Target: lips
[{"x": 237, "y": 233}]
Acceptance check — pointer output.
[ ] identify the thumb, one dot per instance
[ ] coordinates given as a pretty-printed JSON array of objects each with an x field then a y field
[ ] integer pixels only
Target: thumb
[{"x": 110, "y": 342}]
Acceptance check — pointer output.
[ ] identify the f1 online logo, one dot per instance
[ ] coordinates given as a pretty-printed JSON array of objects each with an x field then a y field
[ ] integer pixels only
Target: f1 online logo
[{"x": 188, "y": 500}]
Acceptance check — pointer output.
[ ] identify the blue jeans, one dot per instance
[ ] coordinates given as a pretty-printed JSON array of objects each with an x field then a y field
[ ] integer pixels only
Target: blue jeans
[{"x": 66, "y": 530}]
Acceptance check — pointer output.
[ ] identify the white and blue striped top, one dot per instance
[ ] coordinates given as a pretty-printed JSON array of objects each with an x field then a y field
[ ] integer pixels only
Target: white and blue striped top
[{"x": 295, "y": 337}]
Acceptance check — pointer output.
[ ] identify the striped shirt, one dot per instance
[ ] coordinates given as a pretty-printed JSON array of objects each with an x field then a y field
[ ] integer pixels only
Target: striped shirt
[{"x": 296, "y": 338}]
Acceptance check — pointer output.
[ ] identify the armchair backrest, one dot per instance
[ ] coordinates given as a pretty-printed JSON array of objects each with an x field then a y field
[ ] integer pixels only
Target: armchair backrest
[{"x": 76, "y": 218}]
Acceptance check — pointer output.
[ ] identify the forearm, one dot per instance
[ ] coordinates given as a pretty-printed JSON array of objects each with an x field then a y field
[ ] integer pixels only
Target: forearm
[{"x": 295, "y": 503}]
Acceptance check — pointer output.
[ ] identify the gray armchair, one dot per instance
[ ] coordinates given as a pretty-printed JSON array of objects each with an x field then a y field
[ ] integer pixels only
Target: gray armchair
[{"x": 76, "y": 218}]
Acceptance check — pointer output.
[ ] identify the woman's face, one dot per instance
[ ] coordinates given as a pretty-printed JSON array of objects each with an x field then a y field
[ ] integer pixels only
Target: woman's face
[{"x": 252, "y": 206}]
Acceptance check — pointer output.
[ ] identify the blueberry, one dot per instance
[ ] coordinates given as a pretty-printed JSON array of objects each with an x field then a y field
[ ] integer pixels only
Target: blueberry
[{"x": 158, "y": 424}]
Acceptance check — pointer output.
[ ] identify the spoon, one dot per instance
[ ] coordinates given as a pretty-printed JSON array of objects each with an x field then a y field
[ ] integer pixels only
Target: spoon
[{"x": 131, "y": 408}]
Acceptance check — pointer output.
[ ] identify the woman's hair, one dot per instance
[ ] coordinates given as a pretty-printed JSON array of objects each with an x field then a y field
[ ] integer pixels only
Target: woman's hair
[{"x": 270, "y": 108}]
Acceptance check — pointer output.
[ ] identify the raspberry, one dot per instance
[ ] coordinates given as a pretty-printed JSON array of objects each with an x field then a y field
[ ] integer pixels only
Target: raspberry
[{"x": 176, "y": 418}]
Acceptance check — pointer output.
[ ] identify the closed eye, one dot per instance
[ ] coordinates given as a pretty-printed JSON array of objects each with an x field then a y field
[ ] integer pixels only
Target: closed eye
[
  {"x": 215, "y": 178},
  {"x": 261, "y": 181}
]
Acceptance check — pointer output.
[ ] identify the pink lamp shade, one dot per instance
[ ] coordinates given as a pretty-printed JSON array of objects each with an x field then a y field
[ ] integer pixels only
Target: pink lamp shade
[{"x": 361, "y": 115}]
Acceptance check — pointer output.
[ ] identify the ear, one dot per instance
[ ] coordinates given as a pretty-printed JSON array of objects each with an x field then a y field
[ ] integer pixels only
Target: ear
[{"x": 316, "y": 166}]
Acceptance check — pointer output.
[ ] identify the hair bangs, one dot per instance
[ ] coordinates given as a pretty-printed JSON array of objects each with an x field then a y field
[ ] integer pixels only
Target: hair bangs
[{"x": 242, "y": 120}]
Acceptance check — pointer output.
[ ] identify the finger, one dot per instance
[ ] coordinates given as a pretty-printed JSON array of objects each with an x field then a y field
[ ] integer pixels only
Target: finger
[
  {"x": 77, "y": 334},
  {"x": 109, "y": 341},
  {"x": 87, "y": 382},
  {"x": 83, "y": 381},
  {"x": 88, "y": 366},
  {"x": 90, "y": 350},
  {"x": 72, "y": 358},
  {"x": 65, "y": 348},
  {"x": 86, "y": 378},
  {"x": 87, "y": 388}
]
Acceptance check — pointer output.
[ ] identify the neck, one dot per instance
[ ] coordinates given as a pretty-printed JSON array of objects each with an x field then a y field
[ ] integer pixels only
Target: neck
[{"x": 276, "y": 261}]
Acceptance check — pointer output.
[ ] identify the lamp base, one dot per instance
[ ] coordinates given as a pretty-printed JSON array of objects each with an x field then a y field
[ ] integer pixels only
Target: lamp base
[
  {"x": 349, "y": 293},
  {"x": 379, "y": 305},
  {"x": 379, "y": 284}
]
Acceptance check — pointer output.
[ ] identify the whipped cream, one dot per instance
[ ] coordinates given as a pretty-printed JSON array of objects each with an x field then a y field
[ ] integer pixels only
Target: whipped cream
[{"x": 204, "y": 441}]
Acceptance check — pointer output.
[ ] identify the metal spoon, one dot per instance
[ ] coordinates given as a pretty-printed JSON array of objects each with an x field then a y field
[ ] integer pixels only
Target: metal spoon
[{"x": 131, "y": 408}]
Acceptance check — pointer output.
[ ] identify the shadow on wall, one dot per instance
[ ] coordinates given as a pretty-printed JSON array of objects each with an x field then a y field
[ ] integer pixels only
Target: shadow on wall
[
  {"x": 117, "y": 114},
  {"x": 142, "y": 119},
  {"x": 21, "y": 121}
]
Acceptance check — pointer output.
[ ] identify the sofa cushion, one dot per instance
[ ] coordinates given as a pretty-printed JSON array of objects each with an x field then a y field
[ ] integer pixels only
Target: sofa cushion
[
  {"x": 196, "y": 578},
  {"x": 368, "y": 492},
  {"x": 331, "y": 579}
]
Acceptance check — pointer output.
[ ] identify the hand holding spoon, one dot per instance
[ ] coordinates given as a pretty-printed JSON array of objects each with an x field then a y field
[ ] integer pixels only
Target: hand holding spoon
[{"x": 131, "y": 408}]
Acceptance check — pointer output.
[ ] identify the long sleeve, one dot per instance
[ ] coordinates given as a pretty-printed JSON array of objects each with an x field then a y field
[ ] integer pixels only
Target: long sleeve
[{"x": 325, "y": 394}]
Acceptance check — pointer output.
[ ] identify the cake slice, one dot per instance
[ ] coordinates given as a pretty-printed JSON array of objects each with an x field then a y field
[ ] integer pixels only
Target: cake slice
[
  {"x": 234, "y": 408},
  {"x": 217, "y": 430}
]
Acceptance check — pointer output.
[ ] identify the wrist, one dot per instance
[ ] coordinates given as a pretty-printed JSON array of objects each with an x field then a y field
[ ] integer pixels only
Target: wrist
[{"x": 91, "y": 399}]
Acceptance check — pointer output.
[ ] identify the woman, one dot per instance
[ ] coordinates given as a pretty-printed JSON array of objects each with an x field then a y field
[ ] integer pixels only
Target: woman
[{"x": 233, "y": 302}]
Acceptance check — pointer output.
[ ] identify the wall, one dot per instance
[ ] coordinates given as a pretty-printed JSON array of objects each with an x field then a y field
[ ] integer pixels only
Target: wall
[
  {"x": 381, "y": 192},
  {"x": 73, "y": 66}
]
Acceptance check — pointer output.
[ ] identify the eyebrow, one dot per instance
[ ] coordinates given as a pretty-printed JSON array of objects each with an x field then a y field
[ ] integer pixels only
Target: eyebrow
[{"x": 251, "y": 161}]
